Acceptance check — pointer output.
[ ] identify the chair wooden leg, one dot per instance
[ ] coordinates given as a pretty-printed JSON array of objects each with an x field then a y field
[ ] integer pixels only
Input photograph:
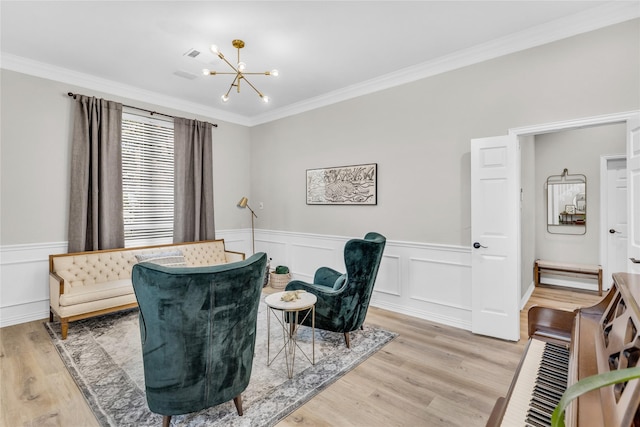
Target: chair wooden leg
[
  {"x": 238, "y": 402},
  {"x": 64, "y": 328},
  {"x": 346, "y": 339},
  {"x": 166, "y": 421}
]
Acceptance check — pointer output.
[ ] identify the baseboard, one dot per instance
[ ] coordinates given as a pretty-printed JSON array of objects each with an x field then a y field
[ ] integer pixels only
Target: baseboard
[
  {"x": 574, "y": 284},
  {"x": 525, "y": 298},
  {"x": 23, "y": 313},
  {"x": 421, "y": 314}
]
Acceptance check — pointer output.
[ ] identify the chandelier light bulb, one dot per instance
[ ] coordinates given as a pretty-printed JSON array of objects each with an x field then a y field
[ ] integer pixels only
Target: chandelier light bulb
[
  {"x": 274, "y": 73},
  {"x": 206, "y": 72},
  {"x": 224, "y": 98},
  {"x": 214, "y": 49},
  {"x": 265, "y": 98},
  {"x": 242, "y": 66}
]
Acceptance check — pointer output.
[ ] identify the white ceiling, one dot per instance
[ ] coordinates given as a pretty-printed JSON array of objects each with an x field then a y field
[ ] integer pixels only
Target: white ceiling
[{"x": 325, "y": 51}]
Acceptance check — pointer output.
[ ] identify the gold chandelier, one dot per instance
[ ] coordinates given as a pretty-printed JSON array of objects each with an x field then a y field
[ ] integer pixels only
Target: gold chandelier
[{"x": 238, "y": 71}]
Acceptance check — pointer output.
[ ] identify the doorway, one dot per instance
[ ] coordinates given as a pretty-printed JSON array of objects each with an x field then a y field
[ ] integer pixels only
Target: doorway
[{"x": 485, "y": 281}]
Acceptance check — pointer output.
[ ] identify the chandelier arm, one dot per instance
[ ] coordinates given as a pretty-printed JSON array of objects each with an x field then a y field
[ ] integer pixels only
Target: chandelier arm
[
  {"x": 253, "y": 87},
  {"x": 230, "y": 64},
  {"x": 235, "y": 82},
  {"x": 266, "y": 73}
]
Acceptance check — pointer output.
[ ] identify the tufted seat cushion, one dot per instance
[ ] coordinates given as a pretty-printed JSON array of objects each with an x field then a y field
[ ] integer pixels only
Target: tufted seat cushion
[{"x": 95, "y": 292}]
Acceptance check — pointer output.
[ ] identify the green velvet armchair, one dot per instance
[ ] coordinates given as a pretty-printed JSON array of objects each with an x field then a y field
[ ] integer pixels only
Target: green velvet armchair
[
  {"x": 197, "y": 351},
  {"x": 343, "y": 299}
]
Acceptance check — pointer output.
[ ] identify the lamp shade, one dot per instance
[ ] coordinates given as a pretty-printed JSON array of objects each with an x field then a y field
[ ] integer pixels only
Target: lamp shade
[{"x": 243, "y": 202}]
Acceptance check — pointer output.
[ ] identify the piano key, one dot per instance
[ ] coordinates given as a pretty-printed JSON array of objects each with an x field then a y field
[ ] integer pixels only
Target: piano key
[{"x": 541, "y": 382}]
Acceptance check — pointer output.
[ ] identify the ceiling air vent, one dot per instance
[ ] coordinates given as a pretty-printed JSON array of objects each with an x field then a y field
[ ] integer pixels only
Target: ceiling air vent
[{"x": 192, "y": 53}]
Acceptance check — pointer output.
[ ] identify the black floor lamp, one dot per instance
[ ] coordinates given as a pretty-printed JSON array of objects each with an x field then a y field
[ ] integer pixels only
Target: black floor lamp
[{"x": 244, "y": 203}]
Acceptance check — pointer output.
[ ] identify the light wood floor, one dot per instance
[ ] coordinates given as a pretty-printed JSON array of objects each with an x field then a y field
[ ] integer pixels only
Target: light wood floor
[{"x": 430, "y": 375}]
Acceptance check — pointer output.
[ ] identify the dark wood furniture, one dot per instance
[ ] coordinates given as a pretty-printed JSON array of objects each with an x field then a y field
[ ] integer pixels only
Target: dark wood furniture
[
  {"x": 567, "y": 269},
  {"x": 588, "y": 341}
]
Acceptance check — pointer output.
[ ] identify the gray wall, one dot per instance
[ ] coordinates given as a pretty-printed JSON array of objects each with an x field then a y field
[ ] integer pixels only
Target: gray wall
[
  {"x": 34, "y": 168},
  {"x": 579, "y": 151},
  {"x": 419, "y": 135},
  {"x": 528, "y": 211}
]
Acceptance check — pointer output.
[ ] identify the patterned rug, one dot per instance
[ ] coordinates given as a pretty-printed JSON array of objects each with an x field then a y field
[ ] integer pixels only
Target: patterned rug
[{"x": 104, "y": 356}]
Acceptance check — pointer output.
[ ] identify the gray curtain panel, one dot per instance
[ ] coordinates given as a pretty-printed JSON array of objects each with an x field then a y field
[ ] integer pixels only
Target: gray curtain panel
[
  {"x": 193, "y": 195},
  {"x": 95, "y": 213}
]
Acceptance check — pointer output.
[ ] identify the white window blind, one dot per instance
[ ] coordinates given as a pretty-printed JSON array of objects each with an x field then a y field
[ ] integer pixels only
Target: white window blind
[{"x": 147, "y": 179}]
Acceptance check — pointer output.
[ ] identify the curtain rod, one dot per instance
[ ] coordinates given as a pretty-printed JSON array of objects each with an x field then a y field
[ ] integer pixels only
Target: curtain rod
[{"x": 215, "y": 125}]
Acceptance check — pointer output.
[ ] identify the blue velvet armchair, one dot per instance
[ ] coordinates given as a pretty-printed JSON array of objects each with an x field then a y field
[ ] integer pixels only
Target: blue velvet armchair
[
  {"x": 343, "y": 299},
  {"x": 197, "y": 351}
]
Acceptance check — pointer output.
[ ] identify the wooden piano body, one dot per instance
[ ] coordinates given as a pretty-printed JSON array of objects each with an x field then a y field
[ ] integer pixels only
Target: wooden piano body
[{"x": 600, "y": 338}]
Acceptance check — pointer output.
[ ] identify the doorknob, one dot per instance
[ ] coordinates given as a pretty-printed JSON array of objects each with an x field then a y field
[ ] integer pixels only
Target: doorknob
[
  {"x": 635, "y": 261},
  {"x": 612, "y": 231},
  {"x": 478, "y": 245}
]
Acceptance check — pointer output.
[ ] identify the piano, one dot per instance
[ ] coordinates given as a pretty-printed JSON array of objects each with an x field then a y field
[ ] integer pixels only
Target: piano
[{"x": 565, "y": 347}]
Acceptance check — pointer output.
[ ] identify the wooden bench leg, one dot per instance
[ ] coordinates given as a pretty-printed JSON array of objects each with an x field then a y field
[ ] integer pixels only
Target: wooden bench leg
[
  {"x": 536, "y": 274},
  {"x": 600, "y": 282}
]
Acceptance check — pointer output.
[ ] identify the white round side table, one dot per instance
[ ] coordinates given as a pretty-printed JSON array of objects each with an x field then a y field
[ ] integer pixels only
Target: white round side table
[{"x": 306, "y": 302}]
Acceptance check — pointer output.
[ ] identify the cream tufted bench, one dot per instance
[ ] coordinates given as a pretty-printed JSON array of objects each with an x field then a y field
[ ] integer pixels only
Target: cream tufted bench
[{"x": 86, "y": 284}]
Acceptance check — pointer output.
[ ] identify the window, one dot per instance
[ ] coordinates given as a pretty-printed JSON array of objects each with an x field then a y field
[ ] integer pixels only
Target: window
[{"x": 147, "y": 180}]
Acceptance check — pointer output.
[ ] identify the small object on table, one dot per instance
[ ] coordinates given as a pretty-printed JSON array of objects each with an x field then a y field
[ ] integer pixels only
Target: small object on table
[{"x": 291, "y": 295}]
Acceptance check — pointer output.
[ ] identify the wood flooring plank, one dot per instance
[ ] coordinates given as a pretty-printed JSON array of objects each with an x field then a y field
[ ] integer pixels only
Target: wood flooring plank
[{"x": 431, "y": 374}]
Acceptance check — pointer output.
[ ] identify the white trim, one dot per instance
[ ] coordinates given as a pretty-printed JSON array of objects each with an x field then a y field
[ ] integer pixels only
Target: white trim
[
  {"x": 77, "y": 79},
  {"x": 573, "y": 124},
  {"x": 527, "y": 295}
]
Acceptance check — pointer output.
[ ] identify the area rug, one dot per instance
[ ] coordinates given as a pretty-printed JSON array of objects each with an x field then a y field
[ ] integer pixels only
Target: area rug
[{"x": 104, "y": 356}]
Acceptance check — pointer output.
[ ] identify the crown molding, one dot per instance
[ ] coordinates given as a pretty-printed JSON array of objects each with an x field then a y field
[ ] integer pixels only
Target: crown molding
[
  {"x": 599, "y": 17},
  {"x": 64, "y": 75}
]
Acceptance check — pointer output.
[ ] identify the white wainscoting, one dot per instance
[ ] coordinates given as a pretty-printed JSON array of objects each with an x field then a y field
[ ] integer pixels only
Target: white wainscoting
[
  {"x": 24, "y": 281},
  {"x": 429, "y": 281}
]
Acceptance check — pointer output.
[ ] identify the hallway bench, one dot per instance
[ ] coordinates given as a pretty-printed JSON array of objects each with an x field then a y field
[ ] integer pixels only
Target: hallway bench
[{"x": 567, "y": 269}]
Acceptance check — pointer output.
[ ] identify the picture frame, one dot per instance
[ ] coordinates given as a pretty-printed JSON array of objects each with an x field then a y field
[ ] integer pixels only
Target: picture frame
[
  {"x": 570, "y": 209},
  {"x": 343, "y": 185}
]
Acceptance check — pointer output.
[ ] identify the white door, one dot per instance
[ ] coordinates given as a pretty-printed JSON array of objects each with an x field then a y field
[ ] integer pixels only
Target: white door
[
  {"x": 495, "y": 224},
  {"x": 615, "y": 229},
  {"x": 633, "y": 194}
]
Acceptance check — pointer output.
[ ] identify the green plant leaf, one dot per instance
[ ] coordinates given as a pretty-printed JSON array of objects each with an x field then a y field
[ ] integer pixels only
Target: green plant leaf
[{"x": 588, "y": 384}]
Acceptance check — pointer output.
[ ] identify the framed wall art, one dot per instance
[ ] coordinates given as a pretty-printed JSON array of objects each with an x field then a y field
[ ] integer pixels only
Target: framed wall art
[{"x": 343, "y": 185}]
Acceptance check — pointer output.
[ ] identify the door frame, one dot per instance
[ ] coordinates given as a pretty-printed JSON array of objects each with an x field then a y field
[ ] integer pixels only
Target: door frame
[{"x": 604, "y": 199}]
